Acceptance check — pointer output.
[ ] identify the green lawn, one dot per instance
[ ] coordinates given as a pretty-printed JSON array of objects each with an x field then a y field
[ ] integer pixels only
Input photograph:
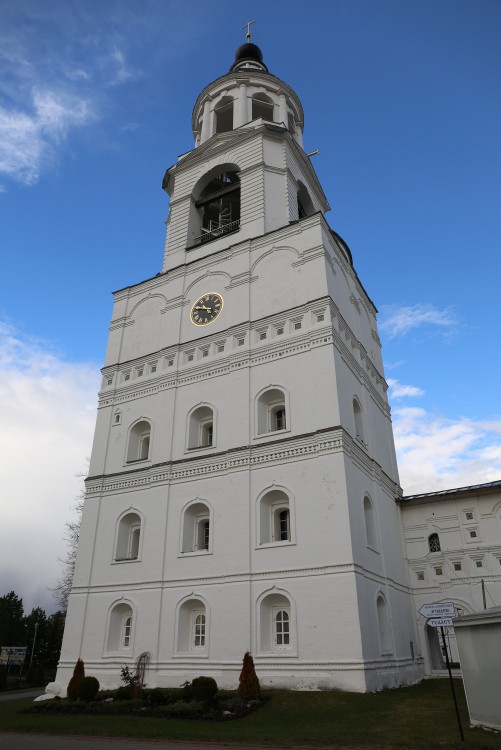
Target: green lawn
[{"x": 421, "y": 717}]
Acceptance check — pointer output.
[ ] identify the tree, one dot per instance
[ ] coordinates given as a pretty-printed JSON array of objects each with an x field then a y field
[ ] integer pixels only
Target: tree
[
  {"x": 12, "y": 626},
  {"x": 72, "y": 533},
  {"x": 248, "y": 685}
]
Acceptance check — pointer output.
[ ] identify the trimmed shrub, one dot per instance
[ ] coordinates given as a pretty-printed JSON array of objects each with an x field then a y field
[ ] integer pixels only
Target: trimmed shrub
[
  {"x": 124, "y": 693},
  {"x": 78, "y": 675},
  {"x": 155, "y": 697},
  {"x": 88, "y": 688},
  {"x": 248, "y": 684},
  {"x": 204, "y": 689}
]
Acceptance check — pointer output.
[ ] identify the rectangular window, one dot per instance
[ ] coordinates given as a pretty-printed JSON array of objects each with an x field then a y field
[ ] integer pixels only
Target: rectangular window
[
  {"x": 139, "y": 372},
  {"x": 469, "y": 515},
  {"x": 473, "y": 534},
  {"x": 198, "y": 629},
  {"x": 420, "y": 575},
  {"x": 438, "y": 571},
  {"x": 320, "y": 317},
  {"x": 479, "y": 563},
  {"x": 281, "y": 621},
  {"x": 205, "y": 352},
  {"x": 240, "y": 341},
  {"x": 170, "y": 362},
  {"x": 153, "y": 367},
  {"x": 280, "y": 330},
  {"x": 458, "y": 566},
  {"x": 190, "y": 356},
  {"x": 126, "y": 375},
  {"x": 297, "y": 325},
  {"x": 109, "y": 381},
  {"x": 220, "y": 348}
]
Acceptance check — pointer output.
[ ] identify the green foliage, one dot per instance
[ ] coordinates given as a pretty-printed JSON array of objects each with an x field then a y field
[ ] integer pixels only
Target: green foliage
[
  {"x": 78, "y": 675},
  {"x": 204, "y": 689},
  {"x": 248, "y": 684},
  {"x": 124, "y": 693},
  {"x": 12, "y": 626},
  {"x": 88, "y": 688}
]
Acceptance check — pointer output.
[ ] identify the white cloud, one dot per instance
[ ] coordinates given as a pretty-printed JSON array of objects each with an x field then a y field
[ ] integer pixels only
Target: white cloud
[
  {"x": 48, "y": 416},
  {"x": 397, "y": 321},
  {"x": 399, "y": 390},
  {"x": 28, "y": 139},
  {"x": 437, "y": 453}
]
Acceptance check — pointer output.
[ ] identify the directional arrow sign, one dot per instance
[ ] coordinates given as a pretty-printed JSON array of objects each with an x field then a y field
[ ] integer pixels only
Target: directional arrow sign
[
  {"x": 440, "y": 622},
  {"x": 440, "y": 609}
]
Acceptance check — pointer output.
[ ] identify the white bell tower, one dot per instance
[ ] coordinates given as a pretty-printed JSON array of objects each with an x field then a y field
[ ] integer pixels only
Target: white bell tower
[{"x": 242, "y": 485}]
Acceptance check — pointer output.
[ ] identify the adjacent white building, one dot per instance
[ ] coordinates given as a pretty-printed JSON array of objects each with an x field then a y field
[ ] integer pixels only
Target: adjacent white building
[{"x": 243, "y": 482}]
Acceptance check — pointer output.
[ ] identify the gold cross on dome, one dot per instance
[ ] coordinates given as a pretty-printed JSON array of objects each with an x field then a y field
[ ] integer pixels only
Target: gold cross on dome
[{"x": 248, "y": 25}]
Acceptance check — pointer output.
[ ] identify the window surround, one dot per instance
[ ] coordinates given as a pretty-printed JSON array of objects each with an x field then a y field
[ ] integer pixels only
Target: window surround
[
  {"x": 128, "y": 543},
  {"x": 201, "y": 428},
  {"x": 371, "y": 535},
  {"x": 269, "y": 605},
  {"x": 139, "y": 439},
  {"x": 434, "y": 543},
  {"x": 188, "y": 611},
  {"x": 196, "y": 528},
  {"x": 120, "y": 629},
  {"x": 270, "y": 523},
  {"x": 269, "y": 420}
]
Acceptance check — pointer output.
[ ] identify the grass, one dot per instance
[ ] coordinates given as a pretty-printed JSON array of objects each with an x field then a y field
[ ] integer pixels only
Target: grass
[{"x": 412, "y": 718}]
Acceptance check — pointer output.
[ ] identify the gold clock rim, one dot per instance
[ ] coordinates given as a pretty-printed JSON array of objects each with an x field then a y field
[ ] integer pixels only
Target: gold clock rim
[{"x": 205, "y": 294}]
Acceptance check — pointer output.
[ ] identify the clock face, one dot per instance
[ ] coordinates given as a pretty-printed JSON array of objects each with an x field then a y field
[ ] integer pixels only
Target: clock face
[{"x": 206, "y": 309}]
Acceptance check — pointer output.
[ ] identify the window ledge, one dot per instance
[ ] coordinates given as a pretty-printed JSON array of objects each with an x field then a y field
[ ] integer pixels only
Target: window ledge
[
  {"x": 191, "y": 655},
  {"x": 195, "y": 553},
  {"x": 137, "y": 461},
  {"x": 373, "y": 549},
  {"x": 283, "y": 653},
  {"x": 267, "y": 545},
  {"x": 271, "y": 434},
  {"x": 201, "y": 448},
  {"x": 121, "y": 560}
]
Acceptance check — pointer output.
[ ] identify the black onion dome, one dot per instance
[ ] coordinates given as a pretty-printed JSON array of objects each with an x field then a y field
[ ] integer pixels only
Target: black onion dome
[{"x": 251, "y": 53}]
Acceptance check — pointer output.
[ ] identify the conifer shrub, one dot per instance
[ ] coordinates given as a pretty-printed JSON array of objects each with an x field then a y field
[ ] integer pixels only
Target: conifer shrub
[
  {"x": 203, "y": 689},
  {"x": 88, "y": 688},
  {"x": 248, "y": 684},
  {"x": 78, "y": 675}
]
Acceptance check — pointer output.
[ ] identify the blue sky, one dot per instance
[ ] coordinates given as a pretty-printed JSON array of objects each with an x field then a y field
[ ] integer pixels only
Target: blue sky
[{"x": 402, "y": 100}]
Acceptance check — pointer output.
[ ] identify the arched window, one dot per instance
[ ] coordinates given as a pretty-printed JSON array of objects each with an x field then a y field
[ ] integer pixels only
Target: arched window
[
  {"x": 276, "y": 631},
  {"x": 304, "y": 203},
  {"x": 262, "y": 106},
  {"x": 223, "y": 113},
  {"x": 201, "y": 428},
  {"x": 383, "y": 625},
  {"x": 274, "y": 517},
  {"x": 196, "y": 528},
  {"x": 370, "y": 523},
  {"x": 359, "y": 421},
  {"x": 192, "y": 626},
  {"x": 217, "y": 208},
  {"x": 271, "y": 411},
  {"x": 128, "y": 537},
  {"x": 138, "y": 448},
  {"x": 434, "y": 543},
  {"x": 120, "y": 628}
]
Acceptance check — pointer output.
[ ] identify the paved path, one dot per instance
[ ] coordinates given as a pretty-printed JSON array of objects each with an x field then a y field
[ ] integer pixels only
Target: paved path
[
  {"x": 16, "y": 695},
  {"x": 10, "y": 741}
]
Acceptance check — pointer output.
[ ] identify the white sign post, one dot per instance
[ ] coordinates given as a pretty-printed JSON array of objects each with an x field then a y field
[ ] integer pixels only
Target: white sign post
[
  {"x": 440, "y": 622},
  {"x": 439, "y": 615},
  {"x": 438, "y": 609}
]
